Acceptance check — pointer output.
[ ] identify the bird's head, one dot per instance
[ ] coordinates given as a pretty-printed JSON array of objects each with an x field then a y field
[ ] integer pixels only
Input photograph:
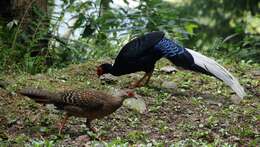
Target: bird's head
[
  {"x": 104, "y": 68},
  {"x": 130, "y": 93},
  {"x": 126, "y": 93}
]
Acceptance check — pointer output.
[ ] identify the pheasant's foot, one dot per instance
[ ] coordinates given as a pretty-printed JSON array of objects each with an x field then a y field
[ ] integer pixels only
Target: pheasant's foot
[
  {"x": 94, "y": 135},
  {"x": 88, "y": 124},
  {"x": 95, "y": 130},
  {"x": 61, "y": 127},
  {"x": 135, "y": 85},
  {"x": 98, "y": 138},
  {"x": 62, "y": 124},
  {"x": 95, "y": 138},
  {"x": 141, "y": 82}
]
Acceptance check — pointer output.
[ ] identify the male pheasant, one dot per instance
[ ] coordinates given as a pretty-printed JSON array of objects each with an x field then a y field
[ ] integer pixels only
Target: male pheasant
[
  {"x": 91, "y": 104},
  {"x": 143, "y": 52}
]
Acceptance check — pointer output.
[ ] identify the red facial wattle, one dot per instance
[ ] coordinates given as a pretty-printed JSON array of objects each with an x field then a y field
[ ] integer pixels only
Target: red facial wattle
[{"x": 99, "y": 71}]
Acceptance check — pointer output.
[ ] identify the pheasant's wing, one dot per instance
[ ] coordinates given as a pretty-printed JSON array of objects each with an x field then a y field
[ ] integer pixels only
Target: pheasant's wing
[
  {"x": 87, "y": 99},
  {"x": 137, "y": 47},
  {"x": 74, "y": 109}
]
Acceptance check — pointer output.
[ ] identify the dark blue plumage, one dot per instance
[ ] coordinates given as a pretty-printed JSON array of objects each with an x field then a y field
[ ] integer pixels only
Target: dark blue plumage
[
  {"x": 136, "y": 55},
  {"x": 141, "y": 54},
  {"x": 168, "y": 48},
  {"x": 178, "y": 55}
]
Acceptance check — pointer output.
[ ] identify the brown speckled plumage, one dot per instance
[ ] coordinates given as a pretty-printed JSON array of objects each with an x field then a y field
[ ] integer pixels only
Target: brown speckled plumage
[{"x": 91, "y": 104}]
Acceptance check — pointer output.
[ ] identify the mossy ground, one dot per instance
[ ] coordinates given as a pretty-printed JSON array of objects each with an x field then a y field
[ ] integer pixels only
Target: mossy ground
[{"x": 198, "y": 112}]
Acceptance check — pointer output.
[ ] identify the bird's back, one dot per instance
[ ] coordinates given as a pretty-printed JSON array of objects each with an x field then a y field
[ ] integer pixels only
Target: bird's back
[
  {"x": 95, "y": 104},
  {"x": 138, "y": 46},
  {"x": 138, "y": 54},
  {"x": 82, "y": 103}
]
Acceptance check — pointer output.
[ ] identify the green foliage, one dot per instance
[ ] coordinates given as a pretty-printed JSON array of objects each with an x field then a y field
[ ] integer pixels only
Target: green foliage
[
  {"x": 217, "y": 28},
  {"x": 134, "y": 136},
  {"x": 233, "y": 24},
  {"x": 19, "y": 39},
  {"x": 45, "y": 143}
]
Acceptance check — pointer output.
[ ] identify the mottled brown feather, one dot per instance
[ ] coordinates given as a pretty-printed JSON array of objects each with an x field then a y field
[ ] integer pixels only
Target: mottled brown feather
[{"x": 91, "y": 104}]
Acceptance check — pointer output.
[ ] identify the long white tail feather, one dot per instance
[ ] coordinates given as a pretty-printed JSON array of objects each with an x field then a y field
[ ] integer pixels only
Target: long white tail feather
[{"x": 219, "y": 71}]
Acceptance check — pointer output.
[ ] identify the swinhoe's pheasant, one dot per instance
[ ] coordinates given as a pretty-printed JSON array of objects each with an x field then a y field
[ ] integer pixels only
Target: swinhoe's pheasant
[
  {"x": 90, "y": 104},
  {"x": 141, "y": 54}
]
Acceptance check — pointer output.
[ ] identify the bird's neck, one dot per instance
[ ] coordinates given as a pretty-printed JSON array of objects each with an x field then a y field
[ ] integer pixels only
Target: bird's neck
[
  {"x": 109, "y": 69},
  {"x": 120, "y": 100},
  {"x": 117, "y": 102}
]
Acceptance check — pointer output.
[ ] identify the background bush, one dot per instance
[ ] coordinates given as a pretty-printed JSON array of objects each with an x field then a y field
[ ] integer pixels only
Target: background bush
[{"x": 226, "y": 29}]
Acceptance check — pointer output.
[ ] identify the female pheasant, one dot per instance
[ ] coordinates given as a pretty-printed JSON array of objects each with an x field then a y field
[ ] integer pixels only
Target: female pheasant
[
  {"x": 91, "y": 104},
  {"x": 143, "y": 52}
]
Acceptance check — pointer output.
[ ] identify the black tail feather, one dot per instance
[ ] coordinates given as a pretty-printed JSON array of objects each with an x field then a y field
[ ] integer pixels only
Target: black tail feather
[
  {"x": 186, "y": 61},
  {"x": 199, "y": 69}
]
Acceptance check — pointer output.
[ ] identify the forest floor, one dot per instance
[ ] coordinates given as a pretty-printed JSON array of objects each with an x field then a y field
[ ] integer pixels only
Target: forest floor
[{"x": 198, "y": 111}]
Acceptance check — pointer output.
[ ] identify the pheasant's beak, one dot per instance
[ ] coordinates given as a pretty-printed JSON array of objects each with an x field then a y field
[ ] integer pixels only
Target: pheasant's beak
[{"x": 131, "y": 94}]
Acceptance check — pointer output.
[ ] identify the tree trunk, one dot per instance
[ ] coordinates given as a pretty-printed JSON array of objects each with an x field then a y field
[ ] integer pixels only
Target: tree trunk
[
  {"x": 5, "y": 10},
  {"x": 25, "y": 10},
  {"x": 32, "y": 30}
]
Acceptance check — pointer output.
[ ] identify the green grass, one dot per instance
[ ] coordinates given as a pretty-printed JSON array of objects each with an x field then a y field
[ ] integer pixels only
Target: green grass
[{"x": 199, "y": 112}]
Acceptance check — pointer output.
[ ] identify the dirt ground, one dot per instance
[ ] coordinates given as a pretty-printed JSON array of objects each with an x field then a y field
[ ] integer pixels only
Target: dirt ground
[{"x": 199, "y": 111}]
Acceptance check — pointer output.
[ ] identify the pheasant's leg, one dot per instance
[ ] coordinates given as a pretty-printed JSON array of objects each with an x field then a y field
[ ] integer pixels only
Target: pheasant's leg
[
  {"x": 63, "y": 123},
  {"x": 138, "y": 83},
  {"x": 88, "y": 124},
  {"x": 148, "y": 77}
]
